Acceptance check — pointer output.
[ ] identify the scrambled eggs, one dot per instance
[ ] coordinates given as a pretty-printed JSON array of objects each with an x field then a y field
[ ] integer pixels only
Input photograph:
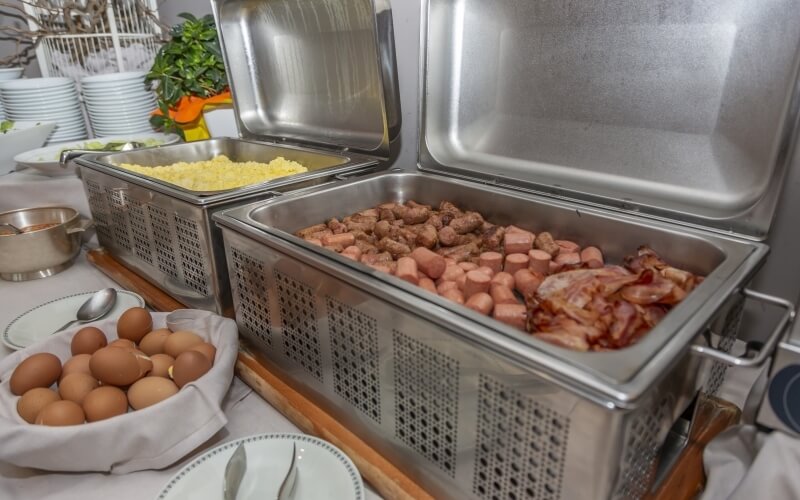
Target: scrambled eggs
[{"x": 219, "y": 172}]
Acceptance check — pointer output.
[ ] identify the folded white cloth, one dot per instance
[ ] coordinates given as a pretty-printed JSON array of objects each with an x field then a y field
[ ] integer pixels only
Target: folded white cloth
[
  {"x": 743, "y": 463},
  {"x": 151, "y": 438}
]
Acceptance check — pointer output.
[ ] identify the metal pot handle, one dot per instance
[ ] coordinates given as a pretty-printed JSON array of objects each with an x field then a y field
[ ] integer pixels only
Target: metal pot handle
[
  {"x": 83, "y": 225},
  {"x": 769, "y": 346}
]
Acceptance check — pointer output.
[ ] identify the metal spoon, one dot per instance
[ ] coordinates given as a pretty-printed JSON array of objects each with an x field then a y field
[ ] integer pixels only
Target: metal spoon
[
  {"x": 111, "y": 147},
  {"x": 95, "y": 307},
  {"x": 12, "y": 226}
]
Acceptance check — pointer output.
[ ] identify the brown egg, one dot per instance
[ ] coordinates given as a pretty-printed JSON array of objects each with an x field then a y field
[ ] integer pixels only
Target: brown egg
[
  {"x": 149, "y": 391},
  {"x": 105, "y": 402},
  {"x": 87, "y": 340},
  {"x": 75, "y": 386},
  {"x": 153, "y": 342},
  {"x": 181, "y": 341},
  {"x": 32, "y": 402},
  {"x": 207, "y": 350},
  {"x": 161, "y": 365},
  {"x": 76, "y": 364},
  {"x": 134, "y": 324},
  {"x": 115, "y": 366},
  {"x": 59, "y": 413},
  {"x": 145, "y": 363},
  {"x": 38, "y": 370},
  {"x": 189, "y": 366},
  {"x": 123, "y": 343}
]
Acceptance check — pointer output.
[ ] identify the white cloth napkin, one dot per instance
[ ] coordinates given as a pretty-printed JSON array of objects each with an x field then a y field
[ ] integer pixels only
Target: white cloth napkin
[{"x": 151, "y": 438}]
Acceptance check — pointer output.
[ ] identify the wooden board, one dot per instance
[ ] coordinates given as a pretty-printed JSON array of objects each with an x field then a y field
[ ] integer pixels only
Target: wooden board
[{"x": 684, "y": 482}]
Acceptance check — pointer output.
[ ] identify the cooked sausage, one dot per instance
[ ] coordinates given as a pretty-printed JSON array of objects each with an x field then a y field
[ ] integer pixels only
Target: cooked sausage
[
  {"x": 488, "y": 271},
  {"x": 570, "y": 259},
  {"x": 568, "y": 246},
  {"x": 514, "y": 229},
  {"x": 517, "y": 242},
  {"x": 428, "y": 237},
  {"x": 385, "y": 267},
  {"x": 476, "y": 282},
  {"x": 320, "y": 234},
  {"x": 399, "y": 210},
  {"x": 450, "y": 273},
  {"x": 352, "y": 252},
  {"x": 314, "y": 241},
  {"x": 308, "y": 231},
  {"x": 515, "y": 262},
  {"x": 336, "y": 226},
  {"x": 492, "y": 260},
  {"x": 555, "y": 267},
  {"x": 387, "y": 206},
  {"x": 360, "y": 225},
  {"x": 339, "y": 240},
  {"x": 459, "y": 253},
  {"x": 454, "y": 295},
  {"x": 592, "y": 257},
  {"x": 468, "y": 266},
  {"x": 515, "y": 315},
  {"x": 492, "y": 238},
  {"x": 427, "y": 284},
  {"x": 501, "y": 294},
  {"x": 504, "y": 279},
  {"x": 466, "y": 223},
  {"x": 429, "y": 262},
  {"x": 544, "y": 241},
  {"x": 383, "y": 229},
  {"x": 445, "y": 286},
  {"x": 393, "y": 247},
  {"x": 386, "y": 214},
  {"x": 448, "y": 236},
  {"x": 376, "y": 258},
  {"x": 527, "y": 282},
  {"x": 480, "y": 302},
  {"x": 416, "y": 215},
  {"x": 448, "y": 208},
  {"x": 539, "y": 261},
  {"x": 370, "y": 212},
  {"x": 435, "y": 220},
  {"x": 366, "y": 246},
  {"x": 414, "y": 204},
  {"x": 407, "y": 270},
  {"x": 461, "y": 281}
]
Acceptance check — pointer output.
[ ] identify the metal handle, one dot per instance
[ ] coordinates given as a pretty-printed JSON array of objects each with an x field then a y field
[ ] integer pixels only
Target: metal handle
[
  {"x": 83, "y": 225},
  {"x": 355, "y": 173},
  {"x": 769, "y": 346},
  {"x": 70, "y": 154}
]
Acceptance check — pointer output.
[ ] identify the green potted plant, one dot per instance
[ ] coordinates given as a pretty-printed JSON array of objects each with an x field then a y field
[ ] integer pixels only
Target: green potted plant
[{"x": 190, "y": 73}]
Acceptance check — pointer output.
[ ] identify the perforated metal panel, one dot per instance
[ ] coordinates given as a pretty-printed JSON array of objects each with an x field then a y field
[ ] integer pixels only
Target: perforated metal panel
[
  {"x": 521, "y": 447},
  {"x": 142, "y": 236},
  {"x": 426, "y": 400},
  {"x": 251, "y": 296},
  {"x": 729, "y": 330},
  {"x": 193, "y": 262},
  {"x": 300, "y": 334},
  {"x": 97, "y": 204},
  {"x": 641, "y": 450},
  {"x": 119, "y": 220},
  {"x": 162, "y": 241},
  {"x": 354, "y": 349}
]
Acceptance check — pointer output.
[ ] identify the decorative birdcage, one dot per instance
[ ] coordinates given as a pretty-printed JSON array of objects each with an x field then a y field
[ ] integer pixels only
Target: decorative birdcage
[{"x": 87, "y": 37}]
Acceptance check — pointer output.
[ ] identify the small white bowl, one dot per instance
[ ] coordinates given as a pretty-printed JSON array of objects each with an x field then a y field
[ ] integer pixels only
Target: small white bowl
[{"x": 22, "y": 137}]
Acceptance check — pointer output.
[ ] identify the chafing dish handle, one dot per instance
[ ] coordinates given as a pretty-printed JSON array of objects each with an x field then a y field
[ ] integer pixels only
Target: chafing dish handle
[{"x": 769, "y": 346}]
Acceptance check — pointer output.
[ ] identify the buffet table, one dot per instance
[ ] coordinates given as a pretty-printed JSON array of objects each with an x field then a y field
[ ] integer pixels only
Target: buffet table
[{"x": 246, "y": 411}]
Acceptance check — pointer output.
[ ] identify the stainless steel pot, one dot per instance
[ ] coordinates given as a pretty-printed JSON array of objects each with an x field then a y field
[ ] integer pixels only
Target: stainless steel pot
[{"x": 44, "y": 252}]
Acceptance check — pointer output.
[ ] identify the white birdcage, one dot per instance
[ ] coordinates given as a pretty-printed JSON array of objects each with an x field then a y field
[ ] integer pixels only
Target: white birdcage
[{"x": 94, "y": 36}]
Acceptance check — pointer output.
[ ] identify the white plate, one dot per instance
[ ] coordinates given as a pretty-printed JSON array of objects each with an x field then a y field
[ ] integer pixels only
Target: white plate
[
  {"x": 323, "y": 471},
  {"x": 40, "y": 322}
]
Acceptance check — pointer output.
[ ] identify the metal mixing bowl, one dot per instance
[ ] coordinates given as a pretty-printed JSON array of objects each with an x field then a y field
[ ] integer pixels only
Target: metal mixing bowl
[{"x": 44, "y": 252}]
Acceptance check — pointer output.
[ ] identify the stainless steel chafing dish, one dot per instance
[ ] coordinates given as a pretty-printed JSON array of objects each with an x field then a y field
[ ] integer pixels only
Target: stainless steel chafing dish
[
  {"x": 165, "y": 232},
  {"x": 618, "y": 124}
]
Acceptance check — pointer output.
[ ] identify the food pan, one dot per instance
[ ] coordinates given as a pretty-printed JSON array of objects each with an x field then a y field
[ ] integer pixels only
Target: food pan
[
  {"x": 164, "y": 232},
  {"x": 468, "y": 406}
]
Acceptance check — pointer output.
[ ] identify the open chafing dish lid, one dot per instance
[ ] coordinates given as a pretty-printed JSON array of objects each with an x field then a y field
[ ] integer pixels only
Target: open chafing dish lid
[
  {"x": 314, "y": 72},
  {"x": 681, "y": 110}
]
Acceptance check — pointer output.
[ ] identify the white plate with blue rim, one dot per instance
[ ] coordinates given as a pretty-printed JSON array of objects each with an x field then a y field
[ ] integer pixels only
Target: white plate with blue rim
[
  {"x": 323, "y": 471},
  {"x": 40, "y": 322}
]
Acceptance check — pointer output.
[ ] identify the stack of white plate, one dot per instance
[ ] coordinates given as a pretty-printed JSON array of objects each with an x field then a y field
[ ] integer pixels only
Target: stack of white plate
[
  {"x": 118, "y": 103},
  {"x": 45, "y": 99},
  {"x": 8, "y": 74}
]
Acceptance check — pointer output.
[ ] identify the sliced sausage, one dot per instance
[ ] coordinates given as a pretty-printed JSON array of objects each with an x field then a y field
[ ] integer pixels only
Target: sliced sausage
[
  {"x": 461, "y": 281},
  {"x": 445, "y": 286},
  {"x": 352, "y": 252},
  {"x": 454, "y": 295},
  {"x": 592, "y": 257},
  {"x": 504, "y": 279},
  {"x": 515, "y": 315},
  {"x": 502, "y": 294},
  {"x": 429, "y": 262},
  {"x": 382, "y": 266},
  {"x": 468, "y": 266},
  {"x": 314, "y": 241},
  {"x": 407, "y": 270},
  {"x": 568, "y": 259},
  {"x": 487, "y": 271},
  {"x": 466, "y": 223},
  {"x": 515, "y": 262},
  {"x": 539, "y": 261},
  {"x": 480, "y": 302},
  {"x": 492, "y": 260},
  {"x": 459, "y": 253},
  {"x": 555, "y": 267},
  {"x": 517, "y": 242},
  {"x": 527, "y": 282},
  {"x": 544, "y": 241},
  {"x": 476, "y": 282},
  {"x": 568, "y": 246},
  {"x": 343, "y": 240},
  {"x": 427, "y": 284}
]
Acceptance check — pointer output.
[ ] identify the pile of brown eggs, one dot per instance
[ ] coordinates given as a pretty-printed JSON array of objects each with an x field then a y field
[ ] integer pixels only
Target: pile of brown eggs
[{"x": 101, "y": 380}]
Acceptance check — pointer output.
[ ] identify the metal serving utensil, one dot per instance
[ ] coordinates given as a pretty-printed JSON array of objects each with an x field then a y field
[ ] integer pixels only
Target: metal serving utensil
[
  {"x": 286, "y": 490},
  {"x": 111, "y": 147},
  {"x": 234, "y": 472},
  {"x": 12, "y": 226},
  {"x": 95, "y": 307}
]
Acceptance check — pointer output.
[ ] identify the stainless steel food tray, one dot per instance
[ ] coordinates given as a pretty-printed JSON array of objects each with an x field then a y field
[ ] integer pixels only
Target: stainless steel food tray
[
  {"x": 164, "y": 232},
  {"x": 469, "y": 407}
]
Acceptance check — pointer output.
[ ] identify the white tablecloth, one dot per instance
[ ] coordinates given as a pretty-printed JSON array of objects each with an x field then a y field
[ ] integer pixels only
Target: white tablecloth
[{"x": 247, "y": 413}]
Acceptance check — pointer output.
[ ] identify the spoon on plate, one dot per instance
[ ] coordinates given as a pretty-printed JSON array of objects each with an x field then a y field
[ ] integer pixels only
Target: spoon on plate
[
  {"x": 95, "y": 307},
  {"x": 111, "y": 147}
]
